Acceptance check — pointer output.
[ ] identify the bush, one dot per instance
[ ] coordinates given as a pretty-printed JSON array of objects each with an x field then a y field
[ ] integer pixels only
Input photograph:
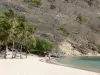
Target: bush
[
  {"x": 52, "y": 6},
  {"x": 63, "y": 30},
  {"x": 34, "y": 2},
  {"x": 42, "y": 45},
  {"x": 82, "y": 19}
]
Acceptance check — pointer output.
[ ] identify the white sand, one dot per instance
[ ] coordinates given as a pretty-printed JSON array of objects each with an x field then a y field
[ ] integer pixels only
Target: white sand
[{"x": 32, "y": 66}]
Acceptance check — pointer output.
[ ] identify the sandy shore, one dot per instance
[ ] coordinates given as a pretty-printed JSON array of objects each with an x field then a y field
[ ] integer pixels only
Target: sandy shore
[{"x": 32, "y": 66}]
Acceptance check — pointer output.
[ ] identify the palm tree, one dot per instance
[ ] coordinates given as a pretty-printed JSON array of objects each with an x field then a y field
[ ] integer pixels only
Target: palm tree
[
  {"x": 12, "y": 18},
  {"x": 29, "y": 42},
  {"x": 13, "y": 27},
  {"x": 8, "y": 23},
  {"x": 26, "y": 32},
  {"x": 5, "y": 31}
]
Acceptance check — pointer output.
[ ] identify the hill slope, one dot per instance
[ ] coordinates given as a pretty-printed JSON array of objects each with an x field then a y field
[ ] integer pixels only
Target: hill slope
[{"x": 73, "y": 21}]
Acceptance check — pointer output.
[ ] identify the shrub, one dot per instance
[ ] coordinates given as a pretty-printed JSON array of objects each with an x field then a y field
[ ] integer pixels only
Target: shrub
[
  {"x": 98, "y": 47},
  {"x": 42, "y": 45},
  {"x": 36, "y": 3},
  {"x": 82, "y": 19},
  {"x": 63, "y": 30},
  {"x": 52, "y": 6}
]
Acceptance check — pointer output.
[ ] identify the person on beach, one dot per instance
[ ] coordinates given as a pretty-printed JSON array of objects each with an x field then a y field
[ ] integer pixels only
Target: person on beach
[{"x": 47, "y": 58}]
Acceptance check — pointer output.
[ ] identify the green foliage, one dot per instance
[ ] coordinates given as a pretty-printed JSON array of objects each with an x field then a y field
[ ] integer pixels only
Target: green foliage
[
  {"x": 63, "y": 30},
  {"x": 6, "y": 26},
  {"x": 14, "y": 28},
  {"x": 36, "y": 3},
  {"x": 98, "y": 47},
  {"x": 43, "y": 45},
  {"x": 17, "y": 33},
  {"x": 82, "y": 20}
]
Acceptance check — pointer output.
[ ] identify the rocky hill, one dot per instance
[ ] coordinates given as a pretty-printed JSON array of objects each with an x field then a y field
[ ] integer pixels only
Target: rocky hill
[{"x": 76, "y": 22}]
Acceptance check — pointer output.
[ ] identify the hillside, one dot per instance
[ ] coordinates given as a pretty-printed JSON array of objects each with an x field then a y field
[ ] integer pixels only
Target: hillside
[{"x": 65, "y": 22}]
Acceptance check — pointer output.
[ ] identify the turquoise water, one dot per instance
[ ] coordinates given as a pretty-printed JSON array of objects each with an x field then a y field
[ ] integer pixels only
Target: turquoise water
[{"x": 86, "y": 63}]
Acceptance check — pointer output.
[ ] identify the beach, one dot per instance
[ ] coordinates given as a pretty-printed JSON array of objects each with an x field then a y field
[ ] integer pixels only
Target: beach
[{"x": 32, "y": 66}]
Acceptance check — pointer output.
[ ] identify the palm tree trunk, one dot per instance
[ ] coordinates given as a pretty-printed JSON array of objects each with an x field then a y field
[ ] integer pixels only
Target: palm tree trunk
[
  {"x": 27, "y": 51},
  {"x": 13, "y": 49},
  {"x": 17, "y": 51},
  {"x": 21, "y": 51},
  {"x": 26, "y": 54},
  {"x": 5, "y": 54}
]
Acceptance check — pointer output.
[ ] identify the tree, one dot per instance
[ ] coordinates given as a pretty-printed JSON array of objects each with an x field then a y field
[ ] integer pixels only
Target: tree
[
  {"x": 14, "y": 27},
  {"x": 5, "y": 30},
  {"x": 43, "y": 45},
  {"x": 25, "y": 33},
  {"x": 12, "y": 18}
]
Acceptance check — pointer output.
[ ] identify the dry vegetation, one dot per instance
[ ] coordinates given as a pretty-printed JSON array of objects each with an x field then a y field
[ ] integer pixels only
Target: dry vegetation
[{"x": 79, "y": 17}]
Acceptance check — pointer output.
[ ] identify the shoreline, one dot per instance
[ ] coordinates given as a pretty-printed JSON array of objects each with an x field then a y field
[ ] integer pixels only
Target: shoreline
[
  {"x": 73, "y": 66},
  {"x": 59, "y": 64},
  {"x": 33, "y": 66}
]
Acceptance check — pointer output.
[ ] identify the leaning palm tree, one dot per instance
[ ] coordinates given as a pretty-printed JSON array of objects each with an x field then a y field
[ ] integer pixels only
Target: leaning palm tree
[
  {"x": 5, "y": 31},
  {"x": 8, "y": 23},
  {"x": 12, "y": 18}
]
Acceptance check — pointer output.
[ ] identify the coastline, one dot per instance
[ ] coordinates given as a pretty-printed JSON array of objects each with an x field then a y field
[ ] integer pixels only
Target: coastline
[
  {"x": 33, "y": 66},
  {"x": 54, "y": 61}
]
